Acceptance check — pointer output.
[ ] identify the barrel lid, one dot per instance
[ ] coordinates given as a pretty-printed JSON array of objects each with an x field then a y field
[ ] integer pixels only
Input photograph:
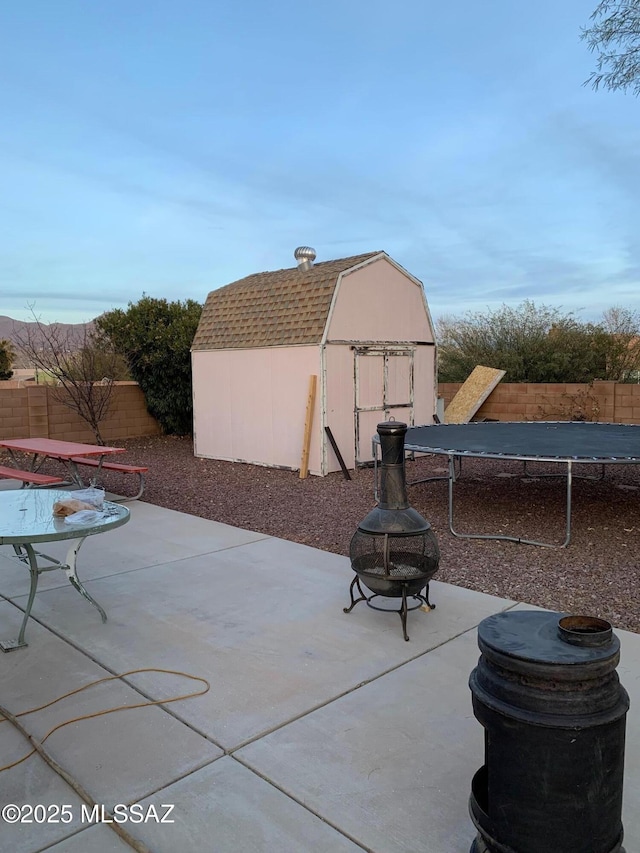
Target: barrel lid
[
  {"x": 538, "y": 636},
  {"x": 392, "y": 428}
]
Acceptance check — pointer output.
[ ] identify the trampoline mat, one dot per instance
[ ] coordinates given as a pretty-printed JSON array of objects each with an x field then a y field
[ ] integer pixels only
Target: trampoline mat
[{"x": 543, "y": 440}]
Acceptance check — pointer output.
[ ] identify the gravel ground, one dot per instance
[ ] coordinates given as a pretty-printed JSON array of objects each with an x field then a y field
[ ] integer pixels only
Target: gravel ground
[{"x": 598, "y": 573}]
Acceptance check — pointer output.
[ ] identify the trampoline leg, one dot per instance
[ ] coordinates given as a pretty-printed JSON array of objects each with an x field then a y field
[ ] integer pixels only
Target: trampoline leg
[
  {"x": 563, "y": 544},
  {"x": 597, "y": 479},
  {"x": 569, "y": 484}
]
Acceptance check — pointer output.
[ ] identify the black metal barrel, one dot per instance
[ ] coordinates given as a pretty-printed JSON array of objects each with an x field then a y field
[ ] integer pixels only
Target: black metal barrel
[{"x": 554, "y": 713}]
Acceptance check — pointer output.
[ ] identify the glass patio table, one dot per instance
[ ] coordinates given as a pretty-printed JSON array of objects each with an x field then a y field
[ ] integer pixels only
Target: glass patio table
[{"x": 26, "y": 519}]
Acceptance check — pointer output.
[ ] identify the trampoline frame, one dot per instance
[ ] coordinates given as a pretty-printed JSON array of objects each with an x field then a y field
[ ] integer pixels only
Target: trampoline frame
[{"x": 453, "y": 454}]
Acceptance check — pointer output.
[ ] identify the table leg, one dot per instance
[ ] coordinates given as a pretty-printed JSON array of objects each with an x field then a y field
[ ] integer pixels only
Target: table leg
[
  {"x": 75, "y": 474},
  {"x": 10, "y": 645},
  {"x": 70, "y": 571},
  {"x": 26, "y": 553}
]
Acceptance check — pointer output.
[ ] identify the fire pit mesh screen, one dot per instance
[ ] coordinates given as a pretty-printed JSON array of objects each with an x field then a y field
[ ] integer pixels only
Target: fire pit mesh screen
[{"x": 405, "y": 557}]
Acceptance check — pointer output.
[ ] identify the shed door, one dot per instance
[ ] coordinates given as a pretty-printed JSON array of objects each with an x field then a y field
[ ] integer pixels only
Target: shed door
[{"x": 383, "y": 389}]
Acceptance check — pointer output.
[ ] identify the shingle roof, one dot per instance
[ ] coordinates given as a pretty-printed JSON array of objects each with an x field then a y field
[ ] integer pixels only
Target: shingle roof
[{"x": 278, "y": 308}]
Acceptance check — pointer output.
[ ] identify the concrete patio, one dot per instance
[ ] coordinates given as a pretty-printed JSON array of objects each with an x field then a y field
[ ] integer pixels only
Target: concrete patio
[{"x": 321, "y": 733}]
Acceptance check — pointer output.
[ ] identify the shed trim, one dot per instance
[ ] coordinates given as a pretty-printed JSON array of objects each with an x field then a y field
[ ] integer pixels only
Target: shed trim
[
  {"x": 252, "y": 462},
  {"x": 324, "y": 460},
  {"x": 250, "y": 349},
  {"x": 336, "y": 289},
  {"x": 386, "y": 344}
]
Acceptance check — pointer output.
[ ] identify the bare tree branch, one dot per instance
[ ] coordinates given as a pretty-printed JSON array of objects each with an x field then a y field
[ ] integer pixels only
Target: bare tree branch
[{"x": 80, "y": 364}]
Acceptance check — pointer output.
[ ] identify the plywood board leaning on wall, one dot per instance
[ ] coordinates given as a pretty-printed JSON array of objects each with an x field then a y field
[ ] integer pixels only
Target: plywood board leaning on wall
[{"x": 472, "y": 394}]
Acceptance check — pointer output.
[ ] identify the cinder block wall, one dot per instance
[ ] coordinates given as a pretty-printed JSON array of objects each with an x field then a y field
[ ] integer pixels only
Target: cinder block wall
[
  {"x": 14, "y": 411},
  {"x": 610, "y": 402},
  {"x": 30, "y": 411}
]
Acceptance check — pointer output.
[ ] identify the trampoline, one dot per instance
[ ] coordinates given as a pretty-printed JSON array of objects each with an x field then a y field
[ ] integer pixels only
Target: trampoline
[{"x": 562, "y": 442}]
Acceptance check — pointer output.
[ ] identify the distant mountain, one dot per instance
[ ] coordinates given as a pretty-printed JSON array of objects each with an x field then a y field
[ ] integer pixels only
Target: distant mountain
[{"x": 11, "y": 330}]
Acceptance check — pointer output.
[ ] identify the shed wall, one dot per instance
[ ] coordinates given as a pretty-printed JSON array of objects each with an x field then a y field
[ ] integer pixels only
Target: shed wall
[
  {"x": 339, "y": 404},
  {"x": 379, "y": 303},
  {"x": 250, "y": 405},
  {"x": 426, "y": 388}
]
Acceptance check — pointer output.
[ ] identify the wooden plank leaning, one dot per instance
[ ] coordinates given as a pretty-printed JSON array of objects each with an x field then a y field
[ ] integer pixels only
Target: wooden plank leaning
[{"x": 308, "y": 423}]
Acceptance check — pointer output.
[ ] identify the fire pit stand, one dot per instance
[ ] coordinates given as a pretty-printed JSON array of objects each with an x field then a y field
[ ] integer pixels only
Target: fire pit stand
[
  {"x": 419, "y": 601},
  {"x": 394, "y": 551}
]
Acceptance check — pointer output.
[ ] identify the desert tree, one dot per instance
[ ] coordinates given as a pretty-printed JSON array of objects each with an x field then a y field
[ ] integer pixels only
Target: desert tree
[
  {"x": 79, "y": 365},
  {"x": 614, "y": 36}
]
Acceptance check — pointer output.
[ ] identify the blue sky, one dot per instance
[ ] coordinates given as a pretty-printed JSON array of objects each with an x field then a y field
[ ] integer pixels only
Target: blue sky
[{"x": 168, "y": 148}]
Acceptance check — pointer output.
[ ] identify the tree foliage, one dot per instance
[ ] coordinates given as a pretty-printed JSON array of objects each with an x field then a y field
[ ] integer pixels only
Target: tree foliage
[
  {"x": 155, "y": 338},
  {"x": 539, "y": 344},
  {"x": 621, "y": 330},
  {"x": 615, "y": 37},
  {"x": 81, "y": 366},
  {"x": 7, "y": 356}
]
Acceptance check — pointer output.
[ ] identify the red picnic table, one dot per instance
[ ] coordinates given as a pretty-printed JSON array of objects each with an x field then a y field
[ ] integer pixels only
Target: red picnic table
[{"x": 72, "y": 453}]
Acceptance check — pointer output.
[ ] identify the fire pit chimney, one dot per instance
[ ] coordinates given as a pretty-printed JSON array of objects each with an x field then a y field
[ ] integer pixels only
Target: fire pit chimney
[{"x": 394, "y": 552}]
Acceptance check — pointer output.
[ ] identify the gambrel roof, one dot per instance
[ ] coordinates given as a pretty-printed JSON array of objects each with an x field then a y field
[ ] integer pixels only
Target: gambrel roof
[{"x": 280, "y": 308}]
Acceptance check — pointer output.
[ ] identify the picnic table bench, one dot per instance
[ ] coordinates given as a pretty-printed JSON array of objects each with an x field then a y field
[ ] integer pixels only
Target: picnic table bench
[
  {"x": 30, "y": 477},
  {"x": 140, "y": 470}
]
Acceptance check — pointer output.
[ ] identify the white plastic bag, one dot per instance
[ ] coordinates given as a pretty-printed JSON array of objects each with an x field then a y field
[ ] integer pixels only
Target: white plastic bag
[
  {"x": 93, "y": 497},
  {"x": 84, "y": 516}
]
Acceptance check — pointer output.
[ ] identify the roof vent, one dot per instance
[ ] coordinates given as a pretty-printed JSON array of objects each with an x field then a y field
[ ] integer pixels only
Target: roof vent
[{"x": 305, "y": 256}]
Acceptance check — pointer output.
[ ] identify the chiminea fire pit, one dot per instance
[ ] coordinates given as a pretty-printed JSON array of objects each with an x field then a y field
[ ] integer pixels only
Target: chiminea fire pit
[{"x": 394, "y": 552}]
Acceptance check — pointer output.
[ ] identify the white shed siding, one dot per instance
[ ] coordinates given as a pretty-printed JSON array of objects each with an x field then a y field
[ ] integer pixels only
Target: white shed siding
[
  {"x": 251, "y": 405},
  {"x": 424, "y": 381},
  {"x": 378, "y": 302},
  {"x": 339, "y": 404},
  {"x": 381, "y": 306}
]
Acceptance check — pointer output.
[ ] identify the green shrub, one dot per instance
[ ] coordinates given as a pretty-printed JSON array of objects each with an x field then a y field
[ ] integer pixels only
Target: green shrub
[
  {"x": 155, "y": 338},
  {"x": 6, "y": 359}
]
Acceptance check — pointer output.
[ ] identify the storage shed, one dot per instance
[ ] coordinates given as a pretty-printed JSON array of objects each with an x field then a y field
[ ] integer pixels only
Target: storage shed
[{"x": 360, "y": 325}]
